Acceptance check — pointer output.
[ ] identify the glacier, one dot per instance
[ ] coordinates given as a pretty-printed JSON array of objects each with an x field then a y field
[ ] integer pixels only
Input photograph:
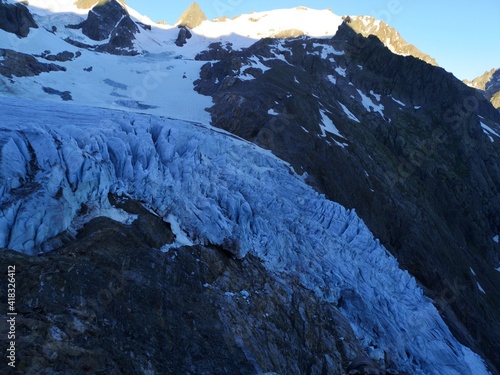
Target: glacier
[{"x": 56, "y": 158}]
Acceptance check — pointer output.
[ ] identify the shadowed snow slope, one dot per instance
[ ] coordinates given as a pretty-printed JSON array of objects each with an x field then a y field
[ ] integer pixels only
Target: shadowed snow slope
[{"x": 55, "y": 158}]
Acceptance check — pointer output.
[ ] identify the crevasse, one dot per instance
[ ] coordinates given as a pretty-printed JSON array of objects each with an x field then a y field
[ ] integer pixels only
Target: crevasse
[{"x": 222, "y": 190}]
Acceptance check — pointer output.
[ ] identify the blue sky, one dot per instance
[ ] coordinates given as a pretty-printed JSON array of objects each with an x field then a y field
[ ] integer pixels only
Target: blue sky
[{"x": 462, "y": 35}]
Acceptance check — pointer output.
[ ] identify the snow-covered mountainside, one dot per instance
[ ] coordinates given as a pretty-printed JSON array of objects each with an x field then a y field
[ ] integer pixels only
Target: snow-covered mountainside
[
  {"x": 242, "y": 134},
  {"x": 222, "y": 191}
]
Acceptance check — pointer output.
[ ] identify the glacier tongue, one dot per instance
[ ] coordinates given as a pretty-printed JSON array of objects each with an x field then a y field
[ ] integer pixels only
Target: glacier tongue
[{"x": 54, "y": 158}]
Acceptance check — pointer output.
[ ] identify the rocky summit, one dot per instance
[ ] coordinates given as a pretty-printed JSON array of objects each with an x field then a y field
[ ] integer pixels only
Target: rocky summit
[
  {"x": 192, "y": 16},
  {"x": 489, "y": 85},
  {"x": 109, "y": 20},
  {"x": 284, "y": 192}
]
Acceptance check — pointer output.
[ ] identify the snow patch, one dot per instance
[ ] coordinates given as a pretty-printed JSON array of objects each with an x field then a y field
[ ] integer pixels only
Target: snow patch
[
  {"x": 480, "y": 288},
  {"x": 341, "y": 72},
  {"x": 181, "y": 237},
  {"x": 489, "y": 131},
  {"x": 398, "y": 101},
  {"x": 327, "y": 51},
  {"x": 349, "y": 113},
  {"x": 328, "y": 126},
  {"x": 332, "y": 79},
  {"x": 376, "y": 96},
  {"x": 370, "y": 105}
]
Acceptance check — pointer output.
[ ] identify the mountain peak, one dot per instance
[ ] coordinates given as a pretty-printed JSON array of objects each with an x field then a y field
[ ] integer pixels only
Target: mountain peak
[
  {"x": 390, "y": 37},
  {"x": 192, "y": 16}
]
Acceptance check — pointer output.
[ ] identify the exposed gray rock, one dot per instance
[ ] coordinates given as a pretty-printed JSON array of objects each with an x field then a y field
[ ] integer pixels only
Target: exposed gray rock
[
  {"x": 23, "y": 65},
  {"x": 60, "y": 57},
  {"x": 16, "y": 19},
  {"x": 102, "y": 20},
  {"x": 183, "y": 36},
  {"x": 422, "y": 174},
  {"x": 65, "y": 95},
  {"x": 192, "y": 310},
  {"x": 110, "y": 20},
  {"x": 489, "y": 84}
]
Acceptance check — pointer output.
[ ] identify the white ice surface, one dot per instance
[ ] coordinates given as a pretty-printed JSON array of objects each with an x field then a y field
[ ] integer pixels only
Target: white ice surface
[{"x": 221, "y": 190}]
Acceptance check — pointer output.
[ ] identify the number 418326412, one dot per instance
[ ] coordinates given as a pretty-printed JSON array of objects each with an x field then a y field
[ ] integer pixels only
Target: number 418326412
[{"x": 11, "y": 288}]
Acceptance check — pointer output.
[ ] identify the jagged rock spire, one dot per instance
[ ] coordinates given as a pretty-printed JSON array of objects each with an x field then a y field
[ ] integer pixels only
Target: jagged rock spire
[{"x": 192, "y": 16}]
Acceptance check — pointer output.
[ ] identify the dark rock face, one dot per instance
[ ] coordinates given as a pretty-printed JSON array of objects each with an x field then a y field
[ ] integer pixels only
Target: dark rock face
[
  {"x": 102, "y": 20},
  {"x": 65, "y": 95},
  {"x": 183, "y": 36},
  {"x": 22, "y": 65},
  {"x": 60, "y": 57},
  {"x": 191, "y": 310},
  {"x": 16, "y": 19},
  {"x": 421, "y": 172},
  {"x": 110, "y": 20}
]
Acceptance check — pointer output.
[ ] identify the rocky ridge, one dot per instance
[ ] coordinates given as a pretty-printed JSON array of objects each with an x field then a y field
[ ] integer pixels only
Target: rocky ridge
[
  {"x": 109, "y": 20},
  {"x": 366, "y": 26},
  {"x": 17, "y": 64},
  {"x": 489, "y": 84},
  {"x": 16, "y": 19},
  {"x": 407, "y": 158}
]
